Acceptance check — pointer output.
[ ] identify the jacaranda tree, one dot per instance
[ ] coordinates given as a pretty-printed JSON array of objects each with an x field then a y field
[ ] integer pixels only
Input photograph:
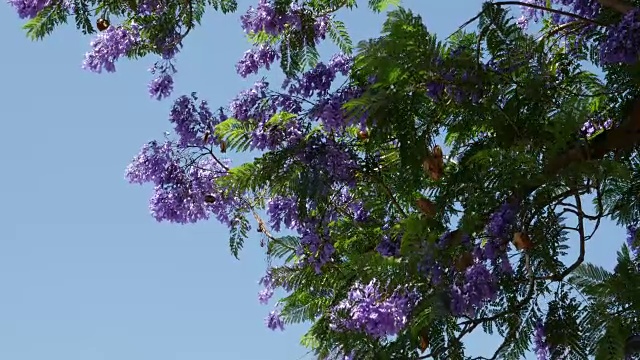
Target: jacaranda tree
[{"x": 415, "y": 189}]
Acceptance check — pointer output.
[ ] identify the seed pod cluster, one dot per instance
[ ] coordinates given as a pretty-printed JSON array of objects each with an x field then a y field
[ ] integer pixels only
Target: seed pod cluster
[
  {"x": 426, "y": 207},
  {"x": 522, "y": 241},
  {"x": 433, "y": 164}
]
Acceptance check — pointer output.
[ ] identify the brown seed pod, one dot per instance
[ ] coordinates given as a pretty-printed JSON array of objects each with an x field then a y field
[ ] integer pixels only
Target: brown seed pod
[
  {"x": 209, "y": 199},
  {"x": 223, "y": 147},
  {"x": 522, "y": 241},
  {"x": 102, "y": 24},
  {"x": 424, "y": 342},
  {"x": 426, "y": 207},
  {"x": 437, "y": 152},
  {"x": 363, "y": 135},
  {"x": 464, "y": 261},
  {"x": 433, "y": 164},
  {"x": 426, "y": 164},
  {"x": 206, "y": 137}
]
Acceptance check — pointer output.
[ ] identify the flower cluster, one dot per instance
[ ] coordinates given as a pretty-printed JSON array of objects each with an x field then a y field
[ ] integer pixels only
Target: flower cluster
[
  {"x": 182, "y": 194},
  {"x": 151, "y": 7},
  {"x": 259, "y": 56},
  {"x": 265, "y": 18},
  {"x": 193, "y": 120},
  {"x": 454, "y": 84},
  {"x": 592, "y": 126},
  {"x": 390, "y": 244},
  {"x": 477, "y": 286},
  {"x": 315, "y": 249},
  {"x": 161, "y": 86},
  {"x": 28, "y": 9},
  {"x": 584, "y": 8},
  {"x": 274, "y": 321},
  {"x": 267, "y": 292},
  {"x": 541, "y": 347},
  {"x": 471, "y": 276},
  {"x": 367, "y": 308},
  {"x": 499, "y": 222},
  {"x": 622, "y": 44},
  {"x": 109, "y": 46},
  {"x": 282, "y": 210}
]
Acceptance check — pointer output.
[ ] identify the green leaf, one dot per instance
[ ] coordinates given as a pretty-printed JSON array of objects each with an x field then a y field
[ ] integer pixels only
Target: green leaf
[{"x": 46, "y": 21}]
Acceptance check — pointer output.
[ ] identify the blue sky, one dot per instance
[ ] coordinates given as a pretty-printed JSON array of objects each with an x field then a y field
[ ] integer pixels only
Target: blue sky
[{"x": 85, "y": 272}]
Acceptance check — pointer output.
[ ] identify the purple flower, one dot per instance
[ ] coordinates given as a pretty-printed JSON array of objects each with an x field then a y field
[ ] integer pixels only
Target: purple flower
[
  {"x": 282, "y": 210},
  {"x": 478, "y": 286},
  {"x": 314, "y": 250},
  {"x": 500, "y": 221},
  {"x": 367, "y": 309},
  {"x": 252, "y": 60},
  {"x": 622, "y": 44},
  {"x": 109, "y": 46},
  {"x": 274, "y": 321},
  {"x": 265, "y": 294},
  {"x": 161, "y": 87},
  {"x": 193, "y": 119},
  {"x": 180, "y": 190},
  {"x": 539, "y": 342}
]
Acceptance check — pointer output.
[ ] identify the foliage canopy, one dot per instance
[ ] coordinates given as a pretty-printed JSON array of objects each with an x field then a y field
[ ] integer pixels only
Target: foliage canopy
[{"x": 432, "y": 193}]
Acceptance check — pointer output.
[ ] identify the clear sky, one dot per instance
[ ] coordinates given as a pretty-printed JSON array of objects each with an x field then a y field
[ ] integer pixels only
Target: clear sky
[{"x": 85, "y": 272}]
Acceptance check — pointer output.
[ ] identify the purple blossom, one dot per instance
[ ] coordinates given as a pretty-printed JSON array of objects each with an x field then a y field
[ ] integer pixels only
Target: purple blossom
[
  {"x": 264, "y": 296},
  {"x": 500, "y": 221},
  {"x": 478, "y": 286},
  {"x": 274, "y": 321},
  {"x": 585, "y": 8},
  {"x": 523, "y": 22},
  {"x": 336, "y": 162},
  {"x": 622, "y": 44},
  {"x": 151, "y": 164},
  {"x": 109, "y": 46},
  {"x": 590, "y": 127},
  {"x": 539, "y": 342},
  {"x": 267, "y": 293},
  {"x": 256, "y": 105},
  {"x": 28, "y": 9},
  {"x": 282, "y": 210},
  {"x": 264, "y": 18},
  {"x": 243, "y": 105},
  {"x": 151, "y": 7},
  {"x": 161, "y": 87},
  {"x": 314, "y": 250},
  {"x": 367, "y": 309},
  {"x": 260, "y": 56},
  {"x": 180, "y": 191},
  {"x": 389, "y": 246},
  {"x": 192, "y": 119},
  {"x": 318, "y": 80}
]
